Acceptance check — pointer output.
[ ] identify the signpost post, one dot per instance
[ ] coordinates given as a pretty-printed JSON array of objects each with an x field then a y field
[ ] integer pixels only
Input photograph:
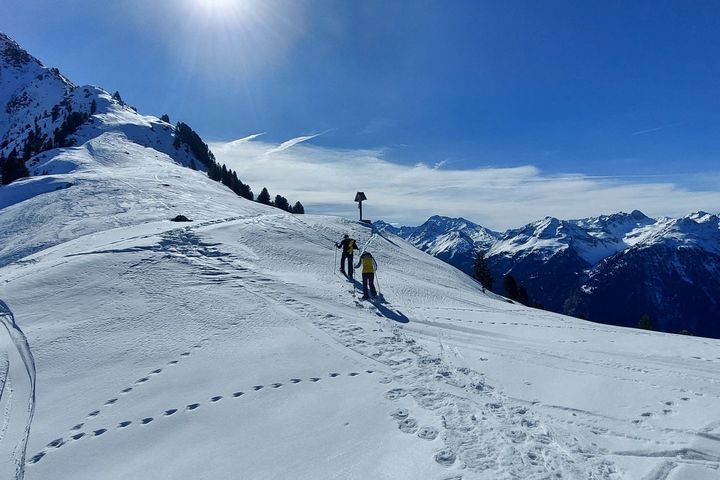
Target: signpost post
[{"x": 359, "y": 197}]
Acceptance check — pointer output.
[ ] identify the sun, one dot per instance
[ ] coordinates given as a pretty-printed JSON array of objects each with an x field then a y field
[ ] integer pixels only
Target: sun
[{"x": 221, "y": 9}]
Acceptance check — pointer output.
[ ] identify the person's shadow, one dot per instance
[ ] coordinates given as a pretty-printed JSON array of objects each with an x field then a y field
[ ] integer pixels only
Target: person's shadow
[{"x": 379, "y": 302}]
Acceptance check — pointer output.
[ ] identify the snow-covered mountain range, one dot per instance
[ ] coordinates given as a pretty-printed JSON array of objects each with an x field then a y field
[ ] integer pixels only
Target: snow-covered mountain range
[
  {"x": 132, "y": 346},
  {"x": 612, "y": 268}
]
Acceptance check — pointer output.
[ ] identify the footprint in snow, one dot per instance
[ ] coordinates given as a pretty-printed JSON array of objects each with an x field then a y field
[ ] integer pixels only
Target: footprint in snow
[
  {"x": 78, "y": 426},
  {"x": 99, "y": 432},
  {"x": 408, "y": 425},
  {"x": 428, "y": 433},
  {"x": 258, "y": 387},
  {"x": 353, "y": 374},
  {"x": 399, "y": 413},
  {"x": 57, "y": 443},
  {"x": 277, "y": 385},
  {"x": 445, "y": 457},
  {"x": 111, "y": 401},
  {"x": 94, "y": 413},
  {"x": 173, "y": 362},
  {"x": 36, "y": 458},
  {"x": 170, "y": 412},
  {"x": 147, "y": 420},
  {"x": 155, "y": 372},
  {"x": 216, "y": 399},
  {"x": 193, "y": 406},
  {"x": 333, "y": 375},
  {"x": 517, "y": 436},
  {"x": 186, "y": 354},
  {"x": 295, "y": 380},
  {"x": 237, "y": 394},
  {"x": 78, "y": 436},
  {"x": 127, "y": 390},
  {"x": 395, "y": 393},
  {"x": 142, "y": 380},
  {"x": 314, "y": 379},
  {"x": 124, "y": 424}
]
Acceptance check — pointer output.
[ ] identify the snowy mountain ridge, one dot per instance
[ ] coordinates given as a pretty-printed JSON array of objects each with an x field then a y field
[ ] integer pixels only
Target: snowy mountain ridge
[
  {"x": 562, "y": 262},
  {"x": 42, "y": 111}
]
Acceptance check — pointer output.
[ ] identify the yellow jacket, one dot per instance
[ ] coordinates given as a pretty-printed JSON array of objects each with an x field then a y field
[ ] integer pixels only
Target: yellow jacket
[{"x": 368, "y": 263}]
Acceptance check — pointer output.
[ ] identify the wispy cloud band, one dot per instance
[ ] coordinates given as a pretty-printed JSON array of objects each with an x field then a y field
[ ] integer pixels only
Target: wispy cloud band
[{"x": 326, "y": 180}]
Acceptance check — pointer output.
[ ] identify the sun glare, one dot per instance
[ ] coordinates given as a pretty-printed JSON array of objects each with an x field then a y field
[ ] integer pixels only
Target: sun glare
[{"x": 223, "y": 9}]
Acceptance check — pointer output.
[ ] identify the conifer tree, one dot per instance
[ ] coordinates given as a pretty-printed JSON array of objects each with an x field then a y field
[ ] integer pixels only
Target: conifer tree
[
  {"x": 523, "y": 295},
  {"x": 646, "y": 323},
  {"x": 510, "y": 287},
  {"x": 298, "y": 209},
  {"x": 12, "y": 168},
  {"x": 481, "y": 272},
  {"x": 264, "y": 197},
  {"x": 281, "y": 203}
]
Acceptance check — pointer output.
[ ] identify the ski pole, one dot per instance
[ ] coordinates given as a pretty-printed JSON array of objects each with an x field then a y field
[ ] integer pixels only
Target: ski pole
[{"x": 377, "y": 280}]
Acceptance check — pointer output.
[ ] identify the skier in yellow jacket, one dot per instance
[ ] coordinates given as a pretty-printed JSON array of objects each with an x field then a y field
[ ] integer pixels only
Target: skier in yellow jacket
[{"x": 369, "y": 266}]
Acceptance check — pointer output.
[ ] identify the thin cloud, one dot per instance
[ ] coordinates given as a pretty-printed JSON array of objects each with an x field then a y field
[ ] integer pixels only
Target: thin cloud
[
  {"x": 291, "y": 143},
  {"x": 655, "y": 129},
  {"x": 325, "y": 181},
  {"x": 247, "y": 139}
]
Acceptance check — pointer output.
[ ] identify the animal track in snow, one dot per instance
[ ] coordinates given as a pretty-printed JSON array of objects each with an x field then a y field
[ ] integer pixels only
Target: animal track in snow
[{"x": 59, "y": 442}]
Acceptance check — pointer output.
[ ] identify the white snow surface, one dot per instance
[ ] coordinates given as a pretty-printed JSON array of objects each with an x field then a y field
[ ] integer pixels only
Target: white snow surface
[{"x": 231, "y": 347}]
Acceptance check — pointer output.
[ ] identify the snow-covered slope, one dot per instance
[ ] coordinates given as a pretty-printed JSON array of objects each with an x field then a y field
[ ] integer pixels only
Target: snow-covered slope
[
  {"x": 41, "y": 112},
  {"x": 231, "y": 347}
]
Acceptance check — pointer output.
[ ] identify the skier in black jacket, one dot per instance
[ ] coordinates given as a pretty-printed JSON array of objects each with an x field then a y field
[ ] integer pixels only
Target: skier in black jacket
[{"x": 348, "y": 245}]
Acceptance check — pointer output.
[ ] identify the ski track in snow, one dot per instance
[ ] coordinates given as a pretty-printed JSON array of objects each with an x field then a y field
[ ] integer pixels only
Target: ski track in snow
[{"x": 17, "y": 396}]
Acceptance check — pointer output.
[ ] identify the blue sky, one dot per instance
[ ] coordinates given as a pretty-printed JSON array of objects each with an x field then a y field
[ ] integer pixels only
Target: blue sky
[{"x": 612, "y": 89}]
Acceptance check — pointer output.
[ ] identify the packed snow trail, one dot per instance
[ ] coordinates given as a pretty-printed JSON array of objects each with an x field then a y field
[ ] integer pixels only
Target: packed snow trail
[{"x": 17, "y": 395}]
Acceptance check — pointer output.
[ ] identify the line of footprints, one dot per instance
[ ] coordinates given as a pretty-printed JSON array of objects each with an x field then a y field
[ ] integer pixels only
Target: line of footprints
[{"x": 59, "y": 442}]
